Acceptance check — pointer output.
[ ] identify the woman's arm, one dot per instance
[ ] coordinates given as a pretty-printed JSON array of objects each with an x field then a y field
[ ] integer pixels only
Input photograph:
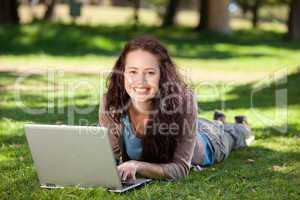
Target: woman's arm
[
  {"x": 180, "y": 165},
  {"x": 150, "y": 170},
  {"x": 127, "y": 170},
  {"x": 113, "y": 128},
  {"x": 177, "y": 168}
]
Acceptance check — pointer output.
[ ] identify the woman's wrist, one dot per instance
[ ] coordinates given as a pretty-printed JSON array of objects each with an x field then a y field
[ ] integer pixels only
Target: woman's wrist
[
  {"x": 138, "y": 165},
  {"x": 148, "y": 169}
]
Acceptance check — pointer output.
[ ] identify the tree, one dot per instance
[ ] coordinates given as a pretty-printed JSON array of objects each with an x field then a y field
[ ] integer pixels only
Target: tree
[
  {"x": 136, "y": 7},
  {"x": 294, "y": 20},
  {"x": 253, "y": 6},
  {"x": 255, "y": 12},
  {"x": 171, "y": 10},
  {"x": 218, "y": 16},
  {"x": 214, "y": 15},
  {"x": 203, "y": 14},
  {"x": 50, "y": 5},
  {"x": 245, "y": 8},
  {"x": 9, "y": 12}
]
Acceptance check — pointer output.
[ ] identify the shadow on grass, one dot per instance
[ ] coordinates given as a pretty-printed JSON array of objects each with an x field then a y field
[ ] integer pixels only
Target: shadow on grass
[
  {"x": 234, "y": 176},
  {"x": 38, "y": 107},
  {"x": 292, "y": 130},
  {"x": 265, "y": 98},
  {"x": 75, "y": 40},
  {"x": 60, "y": 115},
  {"x": 246, "y": 96},
  {"x": 11, "y": 78},
  {"x": 268, "y": 97}
]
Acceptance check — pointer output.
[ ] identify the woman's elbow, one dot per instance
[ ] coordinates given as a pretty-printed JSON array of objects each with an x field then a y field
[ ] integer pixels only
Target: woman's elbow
[{"x": 177, "y": 172}]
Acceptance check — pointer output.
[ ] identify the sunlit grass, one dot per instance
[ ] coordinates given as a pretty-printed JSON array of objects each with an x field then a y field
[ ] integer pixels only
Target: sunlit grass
[
  {"x": 222, "y": 69},
  {"x": 274, "y": 158},
  {"x": 97, "y": 47}
]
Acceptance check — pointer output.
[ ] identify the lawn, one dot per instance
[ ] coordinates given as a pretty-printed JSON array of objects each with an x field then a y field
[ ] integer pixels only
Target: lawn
[{"x": 228, "y": 72}]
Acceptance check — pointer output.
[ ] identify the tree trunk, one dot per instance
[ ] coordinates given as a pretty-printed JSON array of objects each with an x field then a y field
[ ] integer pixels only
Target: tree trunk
[
  {"x": 294, "y": 20},
  {"x": 203, "y": 15},
  {"x": 169, "y": 17},
  {"x": 255, "y": 14},
  {"x": 9, "y": 12},
  {"x": 218, "y": 16},
  {"x": 245, "y": 9},
  {"x": 136, "y": 7},
  {"x": 50, "y": 5}
]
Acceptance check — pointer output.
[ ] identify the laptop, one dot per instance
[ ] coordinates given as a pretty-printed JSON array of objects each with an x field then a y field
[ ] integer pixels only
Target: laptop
[{"x": 78, "y": 156}]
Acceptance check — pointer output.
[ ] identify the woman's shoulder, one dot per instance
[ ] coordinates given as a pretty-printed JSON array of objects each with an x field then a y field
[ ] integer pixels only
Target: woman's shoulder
[{"x": 105, "y": 118}]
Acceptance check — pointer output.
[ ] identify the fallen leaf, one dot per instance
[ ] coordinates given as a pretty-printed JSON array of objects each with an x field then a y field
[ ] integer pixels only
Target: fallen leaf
[
  {"x": 278, "y": 167},
  {"x": 249, "y": 161}
]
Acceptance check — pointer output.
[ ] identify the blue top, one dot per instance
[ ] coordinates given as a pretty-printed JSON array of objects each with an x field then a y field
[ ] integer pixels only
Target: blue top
[
  {"x": 209, "y": 157},
  {"x": 134, "y": 147},
  {"x": 133, "y": 144}
]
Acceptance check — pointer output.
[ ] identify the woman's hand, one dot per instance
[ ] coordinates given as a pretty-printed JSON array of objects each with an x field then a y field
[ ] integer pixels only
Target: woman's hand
[{"x": 127, "y": 170}]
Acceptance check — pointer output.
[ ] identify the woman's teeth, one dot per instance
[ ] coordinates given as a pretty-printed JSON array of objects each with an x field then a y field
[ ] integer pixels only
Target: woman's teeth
[{"x": 141, "y": 90}]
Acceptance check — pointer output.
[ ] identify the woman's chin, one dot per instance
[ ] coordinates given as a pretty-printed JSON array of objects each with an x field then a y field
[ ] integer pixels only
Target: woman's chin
[{"x": 142, "y": 99}]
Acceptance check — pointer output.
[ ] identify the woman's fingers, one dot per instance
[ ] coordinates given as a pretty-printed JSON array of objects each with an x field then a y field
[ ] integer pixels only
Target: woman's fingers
[
  {"x": 120, "y": 172},
  {"x": 125, "y": 175},
  {"x": 133, "y": 176},
  {"x": 126, "y": 171}
]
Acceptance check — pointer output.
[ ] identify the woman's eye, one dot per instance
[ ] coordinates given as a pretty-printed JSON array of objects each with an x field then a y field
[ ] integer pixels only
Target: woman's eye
[
  {"x": 151, "y": 73},
  {"x": 132, "y": 72}
]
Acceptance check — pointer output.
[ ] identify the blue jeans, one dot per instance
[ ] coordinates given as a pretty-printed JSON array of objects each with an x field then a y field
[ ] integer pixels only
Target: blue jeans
[{"x": 224, "y": 137}]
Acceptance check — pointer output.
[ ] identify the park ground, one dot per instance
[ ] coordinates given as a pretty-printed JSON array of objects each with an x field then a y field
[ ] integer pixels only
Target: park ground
[{"x": 250, "y": 72}]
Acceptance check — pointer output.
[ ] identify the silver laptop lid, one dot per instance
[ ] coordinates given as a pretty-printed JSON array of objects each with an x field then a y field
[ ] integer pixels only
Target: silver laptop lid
[{"x": 72, "y": 155}]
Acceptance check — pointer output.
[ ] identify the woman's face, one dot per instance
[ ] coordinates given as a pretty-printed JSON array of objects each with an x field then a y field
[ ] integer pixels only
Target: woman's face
[{"x": 141, "y": 75}]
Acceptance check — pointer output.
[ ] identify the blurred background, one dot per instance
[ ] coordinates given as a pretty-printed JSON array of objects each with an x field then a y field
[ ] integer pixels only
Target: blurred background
[
  {"x": 206, "y": 34},
  {"x": 200, "y": 14},
  {"x": 228, "y": 44}
]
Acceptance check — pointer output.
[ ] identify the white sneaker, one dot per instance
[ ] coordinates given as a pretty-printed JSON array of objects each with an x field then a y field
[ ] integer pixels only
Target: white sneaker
[{"x": 250, "y": 140}]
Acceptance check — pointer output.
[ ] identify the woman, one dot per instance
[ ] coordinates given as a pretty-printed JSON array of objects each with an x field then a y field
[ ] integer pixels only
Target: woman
[{"x": 152, "y": 116}]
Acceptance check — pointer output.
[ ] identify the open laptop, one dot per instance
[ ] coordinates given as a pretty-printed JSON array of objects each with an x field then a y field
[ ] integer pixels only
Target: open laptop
[{"x": 75, "y": 156}]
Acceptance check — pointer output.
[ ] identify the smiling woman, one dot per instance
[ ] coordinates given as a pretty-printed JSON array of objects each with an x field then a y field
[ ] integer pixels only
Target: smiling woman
[
  {"x": 145, "y": 108},
  {"x": 151, "y": 115}
]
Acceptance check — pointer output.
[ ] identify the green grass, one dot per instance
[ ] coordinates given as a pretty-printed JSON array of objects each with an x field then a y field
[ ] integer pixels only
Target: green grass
[
  {"x": 77, "y": 45},
  {"x": 275, "y": 172}
]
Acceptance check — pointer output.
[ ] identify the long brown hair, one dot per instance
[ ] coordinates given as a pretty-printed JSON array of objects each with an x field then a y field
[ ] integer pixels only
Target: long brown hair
[{"x": 158, "y": 146}]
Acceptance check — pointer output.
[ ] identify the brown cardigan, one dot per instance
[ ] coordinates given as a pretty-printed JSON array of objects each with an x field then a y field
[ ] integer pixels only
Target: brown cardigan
[{"x": 180, "y": 165}]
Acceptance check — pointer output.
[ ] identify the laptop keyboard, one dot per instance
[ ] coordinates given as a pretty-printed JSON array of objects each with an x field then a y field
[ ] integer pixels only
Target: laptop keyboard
[{"x": 128, "y": 183}]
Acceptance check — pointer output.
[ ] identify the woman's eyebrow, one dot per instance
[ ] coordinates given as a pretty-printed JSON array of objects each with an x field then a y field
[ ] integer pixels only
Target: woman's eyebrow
[
  {"x": 131, "y": 67},
  {"x": 147, "y": 68},
  {"x": 150, "y": 68}
]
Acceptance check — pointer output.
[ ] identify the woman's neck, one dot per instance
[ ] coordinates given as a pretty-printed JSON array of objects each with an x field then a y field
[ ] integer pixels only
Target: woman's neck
[
  {"x": 141, "y": 108},
  {"x": 139, "y": 116}
]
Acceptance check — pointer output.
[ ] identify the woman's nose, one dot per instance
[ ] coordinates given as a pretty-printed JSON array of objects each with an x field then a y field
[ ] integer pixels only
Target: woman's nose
[{"x": 141, "y": 79}]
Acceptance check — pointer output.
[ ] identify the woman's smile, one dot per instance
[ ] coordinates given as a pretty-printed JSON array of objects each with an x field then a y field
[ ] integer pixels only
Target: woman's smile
[{"x": 141, "y": 90}]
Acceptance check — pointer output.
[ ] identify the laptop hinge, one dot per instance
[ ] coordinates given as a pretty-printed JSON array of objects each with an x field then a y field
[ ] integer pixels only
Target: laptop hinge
[{"x": 50, "y": 184}]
